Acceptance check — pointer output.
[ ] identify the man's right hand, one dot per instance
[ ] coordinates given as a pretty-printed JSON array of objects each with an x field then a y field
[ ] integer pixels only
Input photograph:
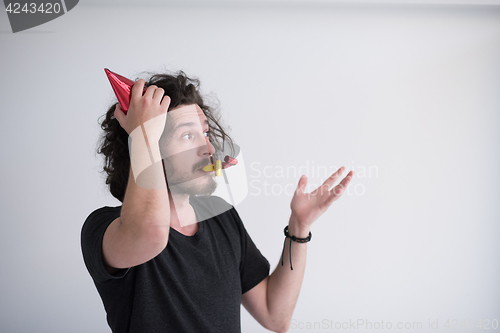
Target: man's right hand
[{"x": 151, "y": 107}]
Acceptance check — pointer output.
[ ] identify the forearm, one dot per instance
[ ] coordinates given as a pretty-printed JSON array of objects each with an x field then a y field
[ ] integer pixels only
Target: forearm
[
  {"x": 272, "y": 302},
  {"x": 284, "y": 283},
  {"x": 146, "y": 196},
  {"x": 146, "y": 206},
  {"x": 141, "y": 232}
]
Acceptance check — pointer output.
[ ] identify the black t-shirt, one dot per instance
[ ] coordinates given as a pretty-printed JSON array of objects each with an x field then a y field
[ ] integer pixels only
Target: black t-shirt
[{"x": 194, "y": 285}]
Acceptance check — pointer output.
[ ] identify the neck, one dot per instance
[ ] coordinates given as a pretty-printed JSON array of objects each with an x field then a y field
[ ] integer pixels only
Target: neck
[{"x": 182, "y": 215}]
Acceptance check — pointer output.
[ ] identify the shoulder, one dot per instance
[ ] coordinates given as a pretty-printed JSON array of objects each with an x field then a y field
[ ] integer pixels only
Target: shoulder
[
  {"x": 92, "y": 234},
  {"x": 100, "y": 219},
  {"x": 103, "y": 212}
]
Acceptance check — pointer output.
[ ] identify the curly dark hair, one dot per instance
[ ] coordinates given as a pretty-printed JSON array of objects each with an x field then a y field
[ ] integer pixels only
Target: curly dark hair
[{"x": 113, "y": 143}]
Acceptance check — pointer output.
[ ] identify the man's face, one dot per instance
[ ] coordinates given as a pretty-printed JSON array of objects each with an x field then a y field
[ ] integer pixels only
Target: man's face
[{"x": 185, "y": 149}]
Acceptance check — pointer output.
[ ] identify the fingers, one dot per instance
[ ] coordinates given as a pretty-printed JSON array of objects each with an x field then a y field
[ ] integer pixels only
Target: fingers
[
  {"x": 150, "y": 91},
  {"x": 158, "y": 95},
  {"x": 301, "y": 186},
  {"x": 165, "y": 102},
  {"x": 137, "y": 89},
  {"x": 153, "y": 92},
  {"x": 340, "y": 188},
  {"x": 118, "y": 114},
  {"x": 333, "y": 178}
]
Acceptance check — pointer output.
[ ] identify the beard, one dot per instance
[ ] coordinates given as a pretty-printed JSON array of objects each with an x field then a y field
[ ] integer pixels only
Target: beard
[{"x": 182, "y": 181}]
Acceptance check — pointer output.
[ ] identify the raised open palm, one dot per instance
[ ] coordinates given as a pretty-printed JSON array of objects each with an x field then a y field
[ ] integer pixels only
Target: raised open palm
[{"x": 307, "y": 207}]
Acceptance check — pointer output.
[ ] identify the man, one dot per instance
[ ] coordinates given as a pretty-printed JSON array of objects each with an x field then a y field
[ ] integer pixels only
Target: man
[{"x": 163, "y": 261}]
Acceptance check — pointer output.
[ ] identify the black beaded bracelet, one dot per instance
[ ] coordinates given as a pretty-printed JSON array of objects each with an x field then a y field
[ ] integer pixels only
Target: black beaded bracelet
[{"x": 295, "y": 239}]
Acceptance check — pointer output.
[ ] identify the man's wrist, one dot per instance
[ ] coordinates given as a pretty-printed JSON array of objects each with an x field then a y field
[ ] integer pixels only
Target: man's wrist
[
  {"x": 295, "y": 229},
  {"x": 142, "y": 156}
]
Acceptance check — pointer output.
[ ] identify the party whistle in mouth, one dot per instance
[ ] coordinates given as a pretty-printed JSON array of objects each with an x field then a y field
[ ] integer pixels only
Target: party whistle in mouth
[{"x": 219, "y": 165}]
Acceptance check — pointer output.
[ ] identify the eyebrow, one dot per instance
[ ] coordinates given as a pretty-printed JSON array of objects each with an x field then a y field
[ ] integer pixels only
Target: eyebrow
[{"x": 190, "y": 124}]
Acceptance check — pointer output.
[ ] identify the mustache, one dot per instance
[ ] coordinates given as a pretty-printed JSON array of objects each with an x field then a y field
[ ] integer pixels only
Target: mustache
[{"x": 201, "y": 164}]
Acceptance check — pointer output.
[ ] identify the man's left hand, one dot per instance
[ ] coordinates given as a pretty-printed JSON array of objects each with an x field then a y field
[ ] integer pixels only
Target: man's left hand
[{"x": 307, "y": 207}]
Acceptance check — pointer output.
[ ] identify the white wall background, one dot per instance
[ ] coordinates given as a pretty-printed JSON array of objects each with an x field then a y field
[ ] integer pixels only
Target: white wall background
[{"x": 411, "y": 91}]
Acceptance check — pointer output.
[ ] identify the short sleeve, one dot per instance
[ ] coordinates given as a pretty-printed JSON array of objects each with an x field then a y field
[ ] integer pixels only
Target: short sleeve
[
  {"x": 254, "y": 267},
  {"x": 91, "y": 241}
]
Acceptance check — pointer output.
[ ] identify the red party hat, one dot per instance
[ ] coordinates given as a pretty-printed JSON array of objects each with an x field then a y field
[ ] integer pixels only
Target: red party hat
[{"x": 122, "y": 88}]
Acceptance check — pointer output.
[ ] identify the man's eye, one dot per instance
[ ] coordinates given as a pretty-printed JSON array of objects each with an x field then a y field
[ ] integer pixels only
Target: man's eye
[
  {"x": 187, "y": 136},
  {"x": 207, "y": 133}
]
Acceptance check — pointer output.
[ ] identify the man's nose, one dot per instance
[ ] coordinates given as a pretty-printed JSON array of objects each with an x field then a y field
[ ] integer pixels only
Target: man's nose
[{"x": 207, "y": 149}]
